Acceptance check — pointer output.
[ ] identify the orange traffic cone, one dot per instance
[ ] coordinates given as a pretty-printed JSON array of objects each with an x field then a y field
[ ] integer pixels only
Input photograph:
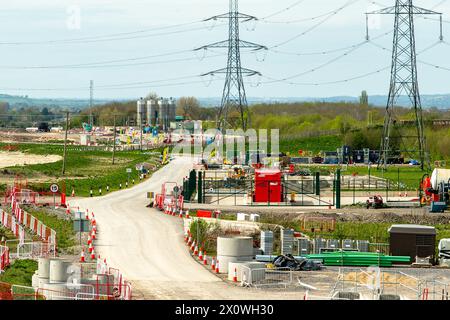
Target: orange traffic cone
[
  {"x": 93, "y": 254},
  {"x": 196, "y": 250},
  {"x": 189, "y": 241},
  {"x": 87, "y": 215},
  {"x": 89, "y": 240},
  {"x": 200, "y": 255},
  {"x": 93, "y": 235},
  {"x": 193, "y": 245},
  {"x": 187, "y": 214},
  {"x": 217, "y": 267},
  {"x": 82, "y": 257},
  {"x": 205, "y": 261},
  {"x": 213, "y": 264},
  {"x": 73, "y": 193},
  {"x": 181, "y": 214},
  {"x": 91, "y": 247},
  {"x": 235, "y": 275}
]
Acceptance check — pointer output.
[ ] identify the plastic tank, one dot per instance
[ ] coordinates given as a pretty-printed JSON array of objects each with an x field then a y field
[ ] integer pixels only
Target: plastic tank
[{"x": 438, "y": 176}]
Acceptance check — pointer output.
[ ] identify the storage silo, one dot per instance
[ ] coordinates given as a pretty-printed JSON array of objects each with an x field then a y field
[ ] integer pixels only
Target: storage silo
[
  {"x": 151, "y": 110},
  {"x": 161, "y": 113},
  {"x": 173, "y": 110},
  {"x": 140, "y": 111}
]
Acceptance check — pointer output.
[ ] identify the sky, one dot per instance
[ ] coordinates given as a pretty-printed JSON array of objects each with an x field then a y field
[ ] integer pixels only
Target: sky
[{"x": 133, "y": 47}]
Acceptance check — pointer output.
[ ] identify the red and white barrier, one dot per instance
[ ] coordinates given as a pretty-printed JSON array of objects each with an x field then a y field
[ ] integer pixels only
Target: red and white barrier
[
  {"x": 19, "y": 217},
  {"x": 4, "y": 257}
]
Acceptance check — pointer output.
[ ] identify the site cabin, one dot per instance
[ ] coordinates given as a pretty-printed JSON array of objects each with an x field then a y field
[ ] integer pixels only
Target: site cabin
[
  {"x": 268, "y": 186},
  {"x": 413, "y": 241}
]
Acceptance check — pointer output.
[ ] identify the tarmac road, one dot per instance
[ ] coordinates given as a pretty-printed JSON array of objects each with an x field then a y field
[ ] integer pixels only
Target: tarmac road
[{"x": 148, "y": 246}]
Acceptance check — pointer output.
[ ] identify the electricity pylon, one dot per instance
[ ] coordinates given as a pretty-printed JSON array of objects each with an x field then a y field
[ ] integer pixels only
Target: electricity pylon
[
  {"x": 233, "y": 96},
  {"x": 404, "y": 81}
]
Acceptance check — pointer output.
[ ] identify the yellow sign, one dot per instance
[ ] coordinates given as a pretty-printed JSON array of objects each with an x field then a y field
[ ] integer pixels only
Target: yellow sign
[{"x": 165, "y": 155}]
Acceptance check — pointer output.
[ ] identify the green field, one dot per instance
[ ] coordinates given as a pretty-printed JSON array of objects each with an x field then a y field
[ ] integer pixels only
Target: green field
[
  {"x": 84, "y": 169},
  {"x": 313, "y": 144}
]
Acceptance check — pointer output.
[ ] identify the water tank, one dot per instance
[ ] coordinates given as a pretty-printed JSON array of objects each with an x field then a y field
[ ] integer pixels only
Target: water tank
[{"x": 58, "y": 271}]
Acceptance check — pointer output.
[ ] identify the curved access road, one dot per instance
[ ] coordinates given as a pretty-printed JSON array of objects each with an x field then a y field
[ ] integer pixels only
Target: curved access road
[{"x": 148, "y": 246}]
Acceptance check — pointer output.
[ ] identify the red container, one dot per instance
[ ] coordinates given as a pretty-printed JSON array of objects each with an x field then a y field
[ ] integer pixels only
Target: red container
[
  {"x": 204, "y": 214},
  {"x": 268, "y": 187}
]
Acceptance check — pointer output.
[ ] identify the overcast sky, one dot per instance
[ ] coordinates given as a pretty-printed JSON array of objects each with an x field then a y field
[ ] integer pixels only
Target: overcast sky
[{"x": 29, "y": 28}]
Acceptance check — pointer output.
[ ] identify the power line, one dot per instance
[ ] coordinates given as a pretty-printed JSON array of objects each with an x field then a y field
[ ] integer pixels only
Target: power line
[
  {"x": 283, "y": 10},
  {"x": 365, "y": 75},
  {"x": 325, "y": 52},
  {"x": 322, "y": 65},
  {"x": 328, "y": 17},
  {"x": 332, "y": 12},
  {"x": 107, "y": 37},
  {"x": 97, "y": 65}
]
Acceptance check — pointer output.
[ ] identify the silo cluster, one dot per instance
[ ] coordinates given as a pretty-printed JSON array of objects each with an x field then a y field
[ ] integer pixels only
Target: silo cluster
[{"x": 156, "y": 113}]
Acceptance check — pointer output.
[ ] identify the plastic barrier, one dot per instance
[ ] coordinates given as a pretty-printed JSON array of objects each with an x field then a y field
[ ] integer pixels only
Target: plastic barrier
[
  {"x": 20, "y": 219},
  {"x": 4, "y": 257},
  {"x": 31, "y": 250}
]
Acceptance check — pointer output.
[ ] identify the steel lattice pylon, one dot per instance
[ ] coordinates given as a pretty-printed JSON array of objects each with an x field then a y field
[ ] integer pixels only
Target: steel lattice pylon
[
  {"x": 233, "y": 96},
  {"x": 404, "y": 81}
]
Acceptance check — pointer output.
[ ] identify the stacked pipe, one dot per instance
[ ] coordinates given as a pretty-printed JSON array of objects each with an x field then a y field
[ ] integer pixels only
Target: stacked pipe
[{"x": 359, "y": 259}]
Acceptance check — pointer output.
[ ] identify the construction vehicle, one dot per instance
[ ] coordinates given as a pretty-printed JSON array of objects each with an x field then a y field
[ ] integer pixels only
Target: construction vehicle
[
  {"x": 435, "y": 190},
  {"x": 375, "y": 202}
]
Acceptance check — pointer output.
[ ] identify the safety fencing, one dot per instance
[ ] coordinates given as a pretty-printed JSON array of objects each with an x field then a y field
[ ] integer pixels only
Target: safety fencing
[
  {"x": 30, "y": 250},
  {"x": 4, "y": 257},
  {"x": 93, "y": 289},
  {"x": 280, "y": 277},
  {"x": 20, "y": 219},
  {"x": 380, "y": 284}
]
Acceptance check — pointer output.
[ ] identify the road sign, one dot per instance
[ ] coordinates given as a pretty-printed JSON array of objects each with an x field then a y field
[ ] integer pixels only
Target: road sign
[
  {"x": 81, "y": 225},
  {"x": 54, "y": 188}
]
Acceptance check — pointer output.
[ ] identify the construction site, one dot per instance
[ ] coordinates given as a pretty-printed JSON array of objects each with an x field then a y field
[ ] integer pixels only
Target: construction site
[{"x": 153, "y": 201}]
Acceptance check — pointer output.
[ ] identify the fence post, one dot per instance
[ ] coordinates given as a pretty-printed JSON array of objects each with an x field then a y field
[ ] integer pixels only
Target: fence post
[
  {"x": 317, "y": 183},
  {"x": 338, "y": 188},
  {"x": 200, "y": 187}
]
